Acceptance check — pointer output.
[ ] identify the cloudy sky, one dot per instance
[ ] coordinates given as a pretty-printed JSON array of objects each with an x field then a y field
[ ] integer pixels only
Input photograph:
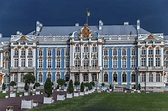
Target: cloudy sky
[{"x": 21, "y": 15}]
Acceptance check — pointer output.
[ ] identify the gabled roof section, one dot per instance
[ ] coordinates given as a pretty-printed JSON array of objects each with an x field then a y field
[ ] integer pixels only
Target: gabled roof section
[
  {"x": 19, "y": 38},
  {"x": 150, "y": 37}
]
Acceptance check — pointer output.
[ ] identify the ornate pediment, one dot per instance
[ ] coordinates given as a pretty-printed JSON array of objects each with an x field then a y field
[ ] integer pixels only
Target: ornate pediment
[{"x": 85, "y": 32}]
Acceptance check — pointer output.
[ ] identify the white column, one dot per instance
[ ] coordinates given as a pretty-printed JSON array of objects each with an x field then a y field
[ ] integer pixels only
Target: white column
[
  {"x": 26, "y": 59},
  {"x": 19, "y": 77},
  {"x": 12, "y": 77},
  {"x": 162, "y": 58},
  {"x": 147, "y": 56},
  {"x": 100, "y": 77},
  {"x": 154, "y": 59},
  {"x": 90, "y": 54},
  {"x": 81, "y": 77},
  {"x": 19, "y": 59},
  {"x": 34, "y": 57},
  {"x": 147, "y": 76},
  {"x": 90, "y": 77},
  {"x": 100, "y": 53},
  {"x": 154, "y": 77},
  {"x": 139, "y": 77},
  {"x": 1, "y": 59},
  {"x": 139, "y": 53},
  {"x": 72, "y": 76},
  {"x": 81, "y": 52},
  {"x": 12, "y": 59},
  {"x": 72, "y": 53}
]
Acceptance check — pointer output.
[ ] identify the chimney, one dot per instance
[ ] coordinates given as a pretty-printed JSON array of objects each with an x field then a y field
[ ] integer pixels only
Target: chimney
[
  {"x": 0, "y": 35},
  {"x": 100, "y": 25},
  {"x": 138, "y": 24}
]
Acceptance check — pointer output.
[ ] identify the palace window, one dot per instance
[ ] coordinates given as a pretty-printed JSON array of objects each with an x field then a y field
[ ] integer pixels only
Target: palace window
[
  {"x": 85, "y": 77},
  {"x": 30, "y": 53},
  {"x": 40, "y": 53},
  {"x": 49, "y": 76},
  {"x": 16, "y": 77},
  {"x": 115, "y": 77},
  {"x": 77, "y": 63},
  {"x": 124, "y": 79},
  {"x": 157, "y": 51},
  {"x": 30, "y": 62},
  {"x": 49, "y": 53},
  {"x": 6, "y": 64},
  {"x": 105, "y": 63},
  {"x": 40, "y": 77},
  {"x": 105, "y": 52},
  {"x": 114, "y": 62},
  {"x": 86, "y": 49},
  {"x": 132, "y": 77},
  {"x": 143, "y": 78},
  {"x": 150, "y": 52},
  {"x": 16, "y": 62},
  {"x": 67, "y": 52},
  {"x": 123, "y": 52},
  {"x": 16, "y": 53},
  {"x": 166, "y": 52},
  {"x": 58, "y": 52},
  {"x": 86, "y": 63},
  {"x": 150, "y": 62},
  {"x": 166, "y": 62},
  {"x": 67, "y": 63},
  {"x": 157, "y": 62},
  {"x": 157, "y": 77},
  {"x": 94, "y": 49},
  {"x": 94, "y": 77},
  {"x": 21, "y": 77},
  {"x": 58, "y": 75},
  {"x": 49, "y": 63},
  {"x": 6, "y": 79},
  {"x": 77, "y": 49},
  {"x": 151, "y": 77},
  {"x": 77, "y": 77},
  {"x": 40, "y": 63},
  {"x": 66, "y": 77},
  {"x": 133, "y": 62},
  {"x": 143, "y": 62},
  {"x": 115, "y": 52},
  {"x": 133, "y": 52},
  {"x": 22, "y": 53},
  {"x": 124, "y": 63},
  {"x": 58, "y": 63},
  {"x": 143, "y": 52},
  {"x": 22, "y": 62},
  {"x": 105, "y": 77},
  {"x": 94, "y": 63}
]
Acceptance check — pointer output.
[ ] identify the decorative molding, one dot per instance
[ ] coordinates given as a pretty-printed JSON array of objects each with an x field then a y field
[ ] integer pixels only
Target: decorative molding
[
  {"x": 162, "y": 46},
  {"x": 99, "y": 43},
  {"x": 19, "y": 47},
  {"x": 23, "y": 38},
  {"x": 146, "y": 46},
  {"x": 153, "y": 46},
  {"x": 150, "y": 37},
  {"x": 86, "y": 32},
  {"x": 72, "y": 43},
  {"x": 11, "y": 47},
  {"x": 34, "y": 47},
  {"x": 25, "y": 47},
  {"x": 1, "y": 51}
]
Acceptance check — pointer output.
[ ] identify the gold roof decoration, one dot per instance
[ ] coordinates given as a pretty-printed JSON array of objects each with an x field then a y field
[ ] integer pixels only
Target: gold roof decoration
[{"x": 85, "y": 32}]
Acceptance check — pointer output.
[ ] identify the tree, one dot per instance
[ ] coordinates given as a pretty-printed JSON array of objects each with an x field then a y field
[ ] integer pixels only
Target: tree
[
  {"x": 89, "y": 86},
  {"x": 76, "y": 83},
  {"x": 92, "y": 83},
  {"x": 70, "y": 87},
  {"x": 26, "y": 87},
  {"x": 48, "y": 87},
  {"x": 29, "y": 78},
  {"x": 61, "y": 82},
  {"x": 3, "y": 86},
  {"x": 82, "y": 87},
  {"x": 12, "y": 83}
]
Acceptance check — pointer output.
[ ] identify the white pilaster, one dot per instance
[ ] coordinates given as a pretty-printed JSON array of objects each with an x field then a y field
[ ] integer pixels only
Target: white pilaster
[
  {"x": 19, "y": 59},
  {"x": 154, "y": 59},
  {"x": 90, "y": 77},
  {"x": 72, "y": 47},
  {"x": 162, "y": 58},
  {"x": 81, "y": 77},
  {"x": 26, "y": 59},
  {"x": 147, "y": 57},
  {"x": 19, "y": 77},
  {"x": 90, "y": 54},
  {"x": 34, "y": 57},
  {"x": 100, "y": 53},
  {"x": 1, "y": 58},
  {"x": 139, "y": 53},
  {"x": 81, "y": 54},
  {"x": 100, "y": 77}
]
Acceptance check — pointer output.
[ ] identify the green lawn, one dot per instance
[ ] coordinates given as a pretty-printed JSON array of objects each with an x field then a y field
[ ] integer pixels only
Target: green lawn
[
  {"x": 2, "y": 95},
  {"x": 111, "y": 102}
]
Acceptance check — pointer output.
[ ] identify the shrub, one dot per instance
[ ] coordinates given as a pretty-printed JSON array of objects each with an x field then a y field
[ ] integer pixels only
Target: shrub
[
  {"x": 48, "y": 87},
  {"x": 103, "y": 84},
  {"x": 76, "y": 83},
  {"x": 36, "y": 85},
  {"x": 26, "y": 87},
  {"x": 57, "y": 86},
  {"x": 3, "y": 86},
  {"x": 29, "y": 78},
  {"x": 70, "y": 87},
  {"x": 82, "y": 87},
  {"x": 110, "y": 87},
  {"x": 134, "y": 86},
  {"x": 139, "y": 86},
  {"x": 89, "y": 86},
  {"x": 92, "y": 83},
  {"x": 61, "y": 82}
]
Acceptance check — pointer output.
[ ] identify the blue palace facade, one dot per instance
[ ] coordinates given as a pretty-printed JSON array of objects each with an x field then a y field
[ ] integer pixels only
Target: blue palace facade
[{"x": 125, "y": 55}]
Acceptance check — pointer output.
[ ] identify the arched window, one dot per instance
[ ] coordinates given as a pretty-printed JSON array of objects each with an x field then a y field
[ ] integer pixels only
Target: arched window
[
  {"x": 21, "y": 77},
  {"x": 30, "y": 53},
  {"x": 133, "y": 77},
  {"x": 58, "y": 75},
  {"x": 105, "y": 77},
  {"x": 115, "y": 77},
  {"x": 40, "y": 77},
  {"x": 115, "y": 51},
  {"x": 124, "y": 79},
  {"x": 143, "y": 78},
  {"x": 76, "y": 77},
  {"x": 6, "y": 79},
  {"x": 167, "y": 62},
  {"x": 123, "y": 51},
  {"x": 66, "y": 76},
  {"x": 150, "y": 77},
  {"x": 49, "y": 53},
  {"x": 16, "y": 77},
  {"x": 40, "y": 53},
  {"x": 85, "y": 77},
  {"x": 157, "y": 77},
  {"x": 49, "y": 75},
  {"x": 16, "y": 53}
]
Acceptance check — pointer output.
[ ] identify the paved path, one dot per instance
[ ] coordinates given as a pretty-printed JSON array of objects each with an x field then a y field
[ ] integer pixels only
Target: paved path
[{"x": 16, "y": 101}]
